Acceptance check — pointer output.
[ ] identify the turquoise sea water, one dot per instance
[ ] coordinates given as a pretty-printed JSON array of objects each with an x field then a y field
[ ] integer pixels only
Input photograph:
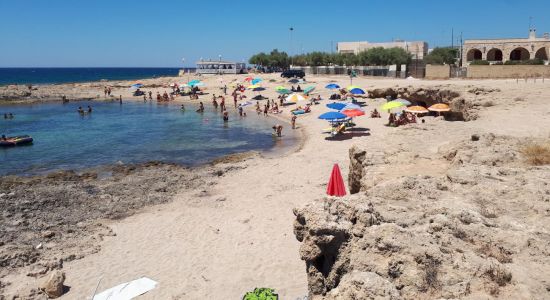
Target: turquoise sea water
[{"x": 133, "y": 132}]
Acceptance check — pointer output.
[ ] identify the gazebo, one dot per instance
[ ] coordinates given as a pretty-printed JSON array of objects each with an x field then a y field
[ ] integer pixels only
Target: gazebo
[{"x": 220, "y": 67}]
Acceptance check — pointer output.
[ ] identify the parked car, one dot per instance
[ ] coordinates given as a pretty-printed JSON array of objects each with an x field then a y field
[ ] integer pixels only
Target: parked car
[{"x": 293, "y": 73}]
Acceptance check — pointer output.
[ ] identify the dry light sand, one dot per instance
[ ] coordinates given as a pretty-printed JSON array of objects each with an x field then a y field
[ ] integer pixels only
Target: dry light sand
[{"x": 238, "y": 234}]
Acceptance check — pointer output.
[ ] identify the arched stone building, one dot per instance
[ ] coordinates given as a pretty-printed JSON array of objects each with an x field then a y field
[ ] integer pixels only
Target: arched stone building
[{"x": 502, "y": 50}]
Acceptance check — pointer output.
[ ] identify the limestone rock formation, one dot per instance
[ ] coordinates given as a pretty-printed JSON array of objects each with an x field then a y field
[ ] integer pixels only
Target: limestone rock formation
[
  {"x": 480, "y": 231},
  {"x": 53, "y": 285}
]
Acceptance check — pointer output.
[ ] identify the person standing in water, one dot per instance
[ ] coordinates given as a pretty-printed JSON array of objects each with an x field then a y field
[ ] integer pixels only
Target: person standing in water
[
  {"x": 293, "y": 121},
  {"x": 89, "y": 109},
  {"x": 120, "y": 99},
  {"x": 225, "y": 116},
  {"x": 201, "y": 108}
]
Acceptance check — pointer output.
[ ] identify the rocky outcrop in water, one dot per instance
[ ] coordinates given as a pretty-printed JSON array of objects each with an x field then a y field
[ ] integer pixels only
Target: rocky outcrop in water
[{"x": 480, "y": 231}]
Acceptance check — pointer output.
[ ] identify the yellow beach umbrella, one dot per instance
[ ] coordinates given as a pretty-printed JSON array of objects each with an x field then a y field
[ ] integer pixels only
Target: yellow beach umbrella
[
  {"x": 351, "y": 87},
  {"x": 295, "y": 98},
  {"x": 391, "y": 105},
  {"x": 439, "y": 107},
  {"x": 254, "y": 86},
  {"x": 416, "y": 109}
]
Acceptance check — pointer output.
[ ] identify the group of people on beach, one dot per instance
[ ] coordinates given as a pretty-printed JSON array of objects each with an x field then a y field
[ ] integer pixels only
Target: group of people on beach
[
  {"x": 401, "y": 119},
  {"x": 107, "y": 91}
]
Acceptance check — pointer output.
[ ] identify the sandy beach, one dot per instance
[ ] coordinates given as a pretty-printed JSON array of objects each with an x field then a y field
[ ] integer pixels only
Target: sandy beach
[{"x": 232, "y": 229}]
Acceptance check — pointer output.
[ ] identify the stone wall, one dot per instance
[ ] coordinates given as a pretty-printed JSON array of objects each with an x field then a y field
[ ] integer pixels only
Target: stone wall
[
  {"x": 508, "y": 71},
  {"x": 438, "y": 72}
]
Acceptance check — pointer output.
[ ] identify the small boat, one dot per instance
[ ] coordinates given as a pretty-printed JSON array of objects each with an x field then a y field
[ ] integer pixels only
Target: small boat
[{"x": 16, "y": 141}]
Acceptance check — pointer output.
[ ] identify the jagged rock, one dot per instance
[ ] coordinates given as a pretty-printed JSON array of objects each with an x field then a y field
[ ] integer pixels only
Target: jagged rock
[
  {"x": 356, "y": 169},
  {"x": 53, "y": 285},
  {"x": 458, "y": 235},
  {"x": 364, "y": 285}
]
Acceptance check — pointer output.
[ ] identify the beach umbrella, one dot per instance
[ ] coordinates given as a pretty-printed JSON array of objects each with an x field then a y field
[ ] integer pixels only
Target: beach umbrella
[
  {"x": 246, "y": 103},
  {"x": 136, "y": 86},
  {"x": 309, "y": 89},
  {"x": 391, "y": 105},
  {"x": 416, "y": 110},
  {"x": 295, "y": 98},
  {"x": 439, "y": 107},
  {"x": 294, "y": 80},
  {"x": 336, "y": 105},
  {"x": 258, "y": 89},
  {"x": 351, "y": 113},
  {"x": 332, "y": 86},
  {"x": 284, "y": 92},
  {"x": 192, "y": 82},
  {"x": 256, "y": 80},
  {"x": 336, "y": 186},
  {"x": 352, "y": 106},
  {"x": 280, "y": 88},
  {"x": 406, "y": 102},
  {"x": 251, "y": 87},
  {"x": 351, "y": 87},
  {"x": 357, "y": 91},
  {"x": 332, "y": 115},
  {"x": 248, "y": 79},
  {"x": 199, "y": 84}
]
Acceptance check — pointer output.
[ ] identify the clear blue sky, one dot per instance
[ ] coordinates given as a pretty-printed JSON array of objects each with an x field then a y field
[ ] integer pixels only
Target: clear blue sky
[{"x": 139, "y": 33}]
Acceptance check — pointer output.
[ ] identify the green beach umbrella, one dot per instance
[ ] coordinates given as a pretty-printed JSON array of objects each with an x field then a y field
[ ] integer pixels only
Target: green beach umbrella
[
  {"x": 309, "y": 89},
  {"x": 280, "y": 88},
  {"x": 391, "y": 105},
  {"x": 284, "y": 92}
]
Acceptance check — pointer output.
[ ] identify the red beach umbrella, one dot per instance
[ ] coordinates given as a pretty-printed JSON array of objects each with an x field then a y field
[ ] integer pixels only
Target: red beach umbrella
[
  {"x": 353, "y": 113},
  {"x": 336, "y": 185},
  {"x": 248, "y": 79}
]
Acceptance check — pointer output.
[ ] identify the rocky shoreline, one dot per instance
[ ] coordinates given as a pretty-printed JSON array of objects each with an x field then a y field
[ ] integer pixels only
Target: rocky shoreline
[{"x": 51, "y": 219}]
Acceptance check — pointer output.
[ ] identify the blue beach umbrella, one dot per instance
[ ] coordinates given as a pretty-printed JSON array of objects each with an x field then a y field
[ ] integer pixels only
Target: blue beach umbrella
[
  {"x": 258, "y": 89},
  {"x": 336, "y": 106},
  {"x": 332, "y": 115},
  {"x": 357, "y": 91},
  {"x": 193, "y": 82},
  {"x": 136, "y": 86},
  {"x": 256, "y": 80},
  {"x": 332, "y": 86}
]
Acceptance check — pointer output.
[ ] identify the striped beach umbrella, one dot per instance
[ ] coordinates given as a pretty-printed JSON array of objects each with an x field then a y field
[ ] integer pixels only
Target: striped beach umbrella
[{"x": 295, "y": 98}]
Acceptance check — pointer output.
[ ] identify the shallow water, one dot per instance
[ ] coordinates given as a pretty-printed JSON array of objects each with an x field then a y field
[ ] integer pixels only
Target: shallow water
[{"x": 133, "y": 132}]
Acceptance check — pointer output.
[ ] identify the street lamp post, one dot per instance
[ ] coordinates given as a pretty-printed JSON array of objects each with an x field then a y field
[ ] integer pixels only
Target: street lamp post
[
  {"x": 220, "y": 64},
  {"x": 291, "y": 58},
  {"x": 183, "y": 61}
]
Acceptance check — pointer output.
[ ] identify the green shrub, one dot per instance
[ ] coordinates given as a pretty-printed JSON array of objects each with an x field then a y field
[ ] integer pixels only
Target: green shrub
[
  {"x": 261, "y": 294},
  {"x": 480, "y": 63}
]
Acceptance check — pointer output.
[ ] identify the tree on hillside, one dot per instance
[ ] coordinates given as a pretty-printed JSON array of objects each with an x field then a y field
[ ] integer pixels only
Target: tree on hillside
[{"x": 442, "y": 56}]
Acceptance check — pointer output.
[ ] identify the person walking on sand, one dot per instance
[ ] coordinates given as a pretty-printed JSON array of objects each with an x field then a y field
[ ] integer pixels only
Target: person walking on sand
[
  {"x": 225, "y": 89},
  {"x": 105, "y": 91},
  {"x": 150, "y": 95},
  {"x": 109, "y": 91},
  {"x": 266, "y": 109},
  {"x": 293, "y": 121}
]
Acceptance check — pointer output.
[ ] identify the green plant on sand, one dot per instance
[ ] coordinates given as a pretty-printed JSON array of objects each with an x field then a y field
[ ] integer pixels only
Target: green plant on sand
[{"x": 261, "y": 294}]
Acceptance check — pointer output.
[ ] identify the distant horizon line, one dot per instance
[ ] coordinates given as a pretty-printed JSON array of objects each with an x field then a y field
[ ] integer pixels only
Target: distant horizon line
[{"x": 95, "y": 67}]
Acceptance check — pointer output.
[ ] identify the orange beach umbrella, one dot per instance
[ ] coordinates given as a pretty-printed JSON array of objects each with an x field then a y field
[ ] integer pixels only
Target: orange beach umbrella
[{"x": 439, "y": 107}]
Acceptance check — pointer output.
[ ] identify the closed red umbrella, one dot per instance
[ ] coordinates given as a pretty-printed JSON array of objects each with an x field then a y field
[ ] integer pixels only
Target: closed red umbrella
[{"x": 336, "y": 185}]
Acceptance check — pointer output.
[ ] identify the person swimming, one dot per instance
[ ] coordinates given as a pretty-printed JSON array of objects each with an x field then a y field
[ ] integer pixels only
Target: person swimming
[
  {"x": 89, "y": 109},
  {"x": 80, "y": 110},
  {"x": 182, "y": 107}
]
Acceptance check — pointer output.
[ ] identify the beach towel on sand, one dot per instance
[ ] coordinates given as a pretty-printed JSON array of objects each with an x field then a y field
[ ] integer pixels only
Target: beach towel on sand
[{"x": 128, "y": 290}]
